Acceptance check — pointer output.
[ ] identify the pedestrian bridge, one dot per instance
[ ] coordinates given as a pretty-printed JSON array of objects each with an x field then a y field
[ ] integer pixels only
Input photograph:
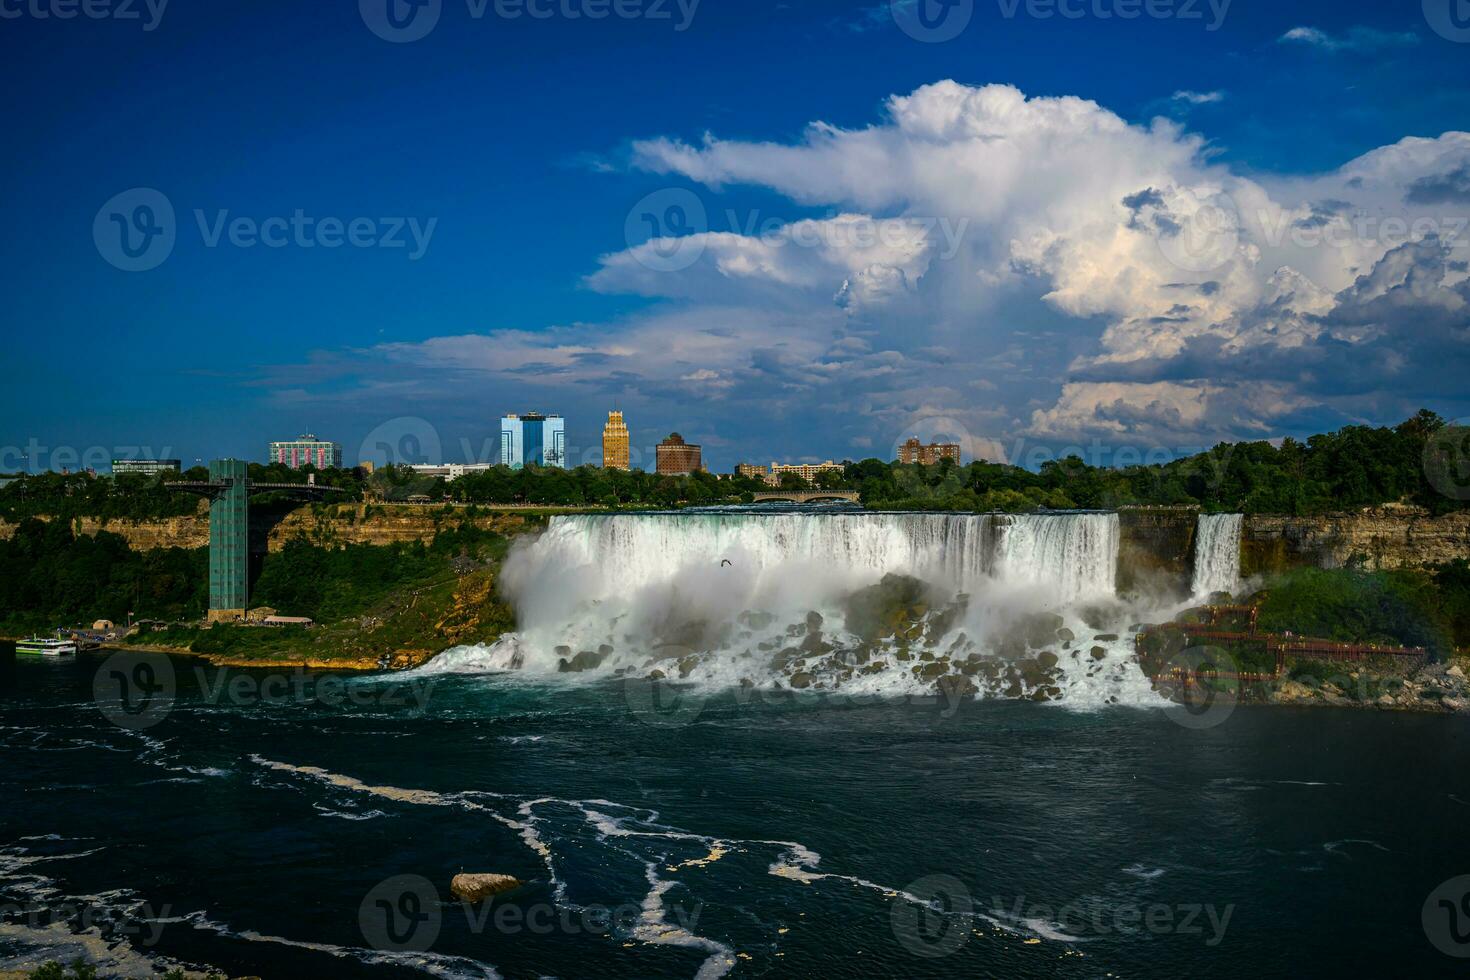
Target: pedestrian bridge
[{"x": 798, "y": 497}]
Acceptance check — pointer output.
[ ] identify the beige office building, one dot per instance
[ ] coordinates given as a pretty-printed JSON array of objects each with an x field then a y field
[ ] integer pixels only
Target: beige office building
[
  {"x": 807, "y": 471},
  {"x": 615, "y": 443}
]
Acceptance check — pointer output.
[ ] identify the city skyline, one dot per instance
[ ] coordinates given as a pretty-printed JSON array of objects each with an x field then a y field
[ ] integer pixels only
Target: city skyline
[
  {"x": 411, "y": 451},
  {"x": 780, "y": 283}
]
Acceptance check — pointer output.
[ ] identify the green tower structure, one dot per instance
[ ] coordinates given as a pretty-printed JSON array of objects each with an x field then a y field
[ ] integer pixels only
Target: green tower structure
[
  {"x": 229, "y": 488},
  {"x": 229, "y": 539}
]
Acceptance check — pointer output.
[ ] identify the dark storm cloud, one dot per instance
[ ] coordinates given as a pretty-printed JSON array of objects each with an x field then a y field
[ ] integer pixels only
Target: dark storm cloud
[{"x": 1447, "y": 188}]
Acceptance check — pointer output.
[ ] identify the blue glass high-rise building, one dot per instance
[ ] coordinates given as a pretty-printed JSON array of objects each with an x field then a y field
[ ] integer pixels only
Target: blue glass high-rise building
[{"x": 533, "y": 438}]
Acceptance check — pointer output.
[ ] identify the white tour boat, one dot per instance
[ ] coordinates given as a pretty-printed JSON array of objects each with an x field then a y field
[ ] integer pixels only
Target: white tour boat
[{"x": 43, "y": 647}]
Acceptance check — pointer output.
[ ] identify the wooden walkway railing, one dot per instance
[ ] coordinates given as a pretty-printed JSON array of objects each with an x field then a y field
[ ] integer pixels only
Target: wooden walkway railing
[{"x": 1282, "y": 646}]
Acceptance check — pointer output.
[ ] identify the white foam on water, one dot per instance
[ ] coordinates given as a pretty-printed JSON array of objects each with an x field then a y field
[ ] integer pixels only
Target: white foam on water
[
  {"x": 655, "y": 928},
  {"x": 434, "y": 964},
  {"x": 793, "y": 861}
]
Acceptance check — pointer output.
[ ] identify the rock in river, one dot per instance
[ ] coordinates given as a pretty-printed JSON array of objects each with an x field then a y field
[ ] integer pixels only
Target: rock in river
[{"x": 478, "y": 887}]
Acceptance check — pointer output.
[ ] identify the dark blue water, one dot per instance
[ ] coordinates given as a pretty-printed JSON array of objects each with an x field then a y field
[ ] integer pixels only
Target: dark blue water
[{"x": 1002, "y": 839}]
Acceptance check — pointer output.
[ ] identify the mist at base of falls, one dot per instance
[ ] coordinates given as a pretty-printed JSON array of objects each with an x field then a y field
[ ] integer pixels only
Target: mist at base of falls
[{"x": 1020, "y": 606}]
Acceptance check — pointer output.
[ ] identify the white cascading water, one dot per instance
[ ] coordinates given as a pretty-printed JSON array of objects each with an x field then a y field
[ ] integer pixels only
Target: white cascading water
[
  {"x": 1216, "y": 554},
  {"x": 1077, "y": 553},
  {"x": 621, "y": 590}
]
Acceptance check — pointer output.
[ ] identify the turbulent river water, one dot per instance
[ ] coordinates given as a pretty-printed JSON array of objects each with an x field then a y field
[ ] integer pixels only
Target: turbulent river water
[{"x": 157, "y": 812}]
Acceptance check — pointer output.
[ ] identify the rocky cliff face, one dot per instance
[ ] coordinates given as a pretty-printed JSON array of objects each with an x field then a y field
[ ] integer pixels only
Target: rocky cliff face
[
  {"x": 166, "y": 532},
  {"x": 1156, "y": 550},
  {"x": 380, "y": 524},
  {"x": 1387, "y": 537},
  {"x": 333, "y": 526}
]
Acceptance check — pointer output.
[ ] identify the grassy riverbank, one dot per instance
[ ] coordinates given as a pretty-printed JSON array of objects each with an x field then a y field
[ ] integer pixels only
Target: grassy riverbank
[
  {"x": 403, "y": 628},
  {"x": 397, "y": 603}
]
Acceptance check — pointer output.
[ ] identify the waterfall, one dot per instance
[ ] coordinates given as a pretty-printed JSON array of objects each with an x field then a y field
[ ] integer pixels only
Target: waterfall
[
  {"x": 1216, "y": 554},
  {"x": 626, "y": 552},
  {"x": 1003, "y": 605},
  {"x": 1076, "y": 553},
  {"x": 1072, "y": 555}
]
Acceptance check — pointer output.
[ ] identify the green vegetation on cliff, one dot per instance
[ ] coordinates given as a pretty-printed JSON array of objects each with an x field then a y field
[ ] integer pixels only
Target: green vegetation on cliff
[
  {"x": 328, "y": 584},
  {"x": 50, "y": 575},
  {"x": 369, "y": 599},
  {"x": 1403, "y": 607}
]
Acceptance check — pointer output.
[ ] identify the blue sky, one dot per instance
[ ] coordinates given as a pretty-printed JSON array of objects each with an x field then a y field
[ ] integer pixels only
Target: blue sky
[{"x": 520, "y": 149}]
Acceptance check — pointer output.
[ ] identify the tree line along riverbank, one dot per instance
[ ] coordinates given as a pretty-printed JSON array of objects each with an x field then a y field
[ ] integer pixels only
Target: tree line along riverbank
[{"x": 1418, "y": 462}]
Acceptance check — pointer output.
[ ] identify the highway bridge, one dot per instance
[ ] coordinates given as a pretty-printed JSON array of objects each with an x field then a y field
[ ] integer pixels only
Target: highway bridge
[{"x": 814, "y": 497}]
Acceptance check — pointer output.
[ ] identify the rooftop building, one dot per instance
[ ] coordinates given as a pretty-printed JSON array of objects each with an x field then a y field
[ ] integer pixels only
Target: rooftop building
[
  {"x": 146, "y": 467},
  {"x": 533, "y": 439},
  {"x": 448, "y": 471},
  {"x": 913, "y": 451},
  {"x": 306, "y": 450},
  {"x": 616, "y": 445},
  {"x": 675, "y": 457},
  {"x": 807, "y": 471}
]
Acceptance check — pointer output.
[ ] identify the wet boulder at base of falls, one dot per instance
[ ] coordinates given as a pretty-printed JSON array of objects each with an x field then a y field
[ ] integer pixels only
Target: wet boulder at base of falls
[
  {"x": 1031, "y": 631},
  {"x": 931, "y": 671},
  {"x": 785, "y": 658},
  {"x": 896, "y": 606},
  {"x": 586, "y": 660},
  {"x": 1041, "y": 628},
  {"x": 954, "y": 686},
  {"x": 478, "y": 887},
  {"x": 813, "y": 644},
  {"x": 1035, "y": 673},
  {"x": 941, "y": 622},
  {"x": 755, "y": 620}
]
